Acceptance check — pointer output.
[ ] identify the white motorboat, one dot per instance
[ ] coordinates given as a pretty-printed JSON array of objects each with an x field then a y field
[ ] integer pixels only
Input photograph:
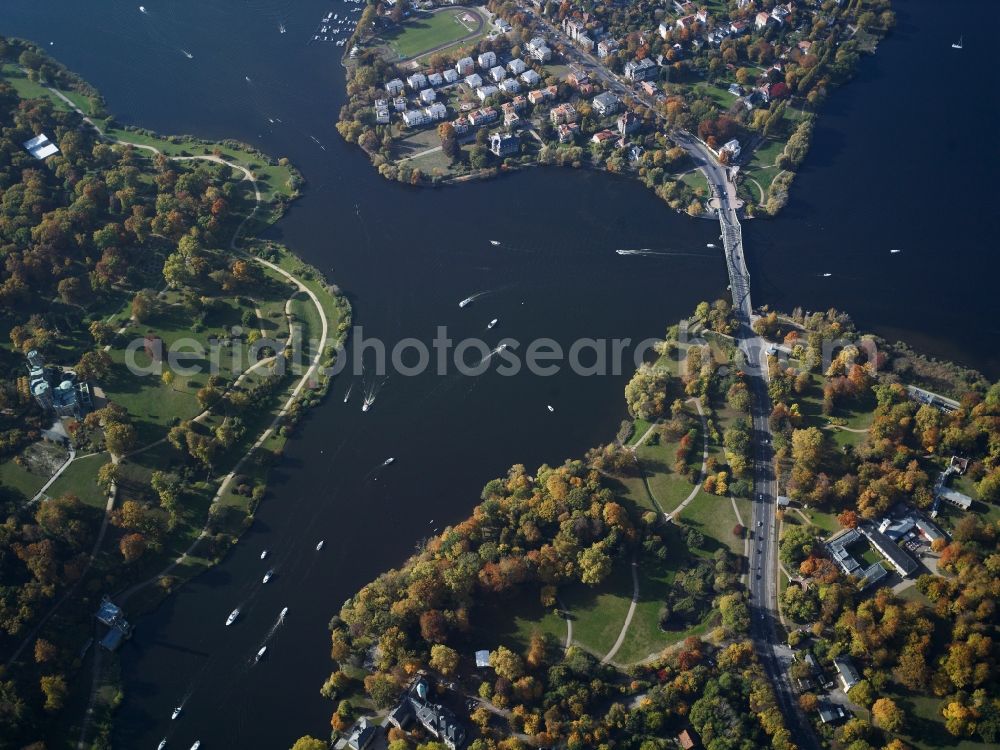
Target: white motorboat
[
  {"x": 142, "y": 8},
  {"x": 260, "y": 654},
  {"x": 493, "y": 322},
  {"x": 196, "y": 745},
  {"x": 347, "y": 395},
  {"x": 827, "y": 275},
  {"x": 895, "y": 250},
  {"x": 465, "y": 301},
  {"x": 711, "y": 245},
  {"x": 187, "y": 54},
  {"x": 281, "y": 28},
  {"x": 232, "y": 617},
  {"x": 263, "y": 554},
  {"x": 958, "y": 44},
  {"x": 176, "y": 713},
  {"x": 283, "y": 613},
  {"x": 163, "y": 744},
  {"x": 388, "y": 461},
  {"x": 320, "y": 545},
  {"x": 550, "y": 407},
  {"x": 269, "y": 575},
  {"x": 494, "y": 242}
]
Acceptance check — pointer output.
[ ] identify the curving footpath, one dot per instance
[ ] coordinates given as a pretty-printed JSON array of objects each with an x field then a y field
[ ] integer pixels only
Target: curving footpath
[{"x": 628, "y": 617}]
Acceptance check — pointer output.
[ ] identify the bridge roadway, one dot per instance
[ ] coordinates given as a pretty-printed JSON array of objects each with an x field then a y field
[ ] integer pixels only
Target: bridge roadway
[{"x": 763, "y": 574}]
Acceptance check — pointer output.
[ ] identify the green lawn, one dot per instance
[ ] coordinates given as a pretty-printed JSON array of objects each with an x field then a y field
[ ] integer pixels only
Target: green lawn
[
  {"x": 857, "y": 413},
  {"x": 512, "y": 623},
  {"x": 713, "y": 516},
  {"x": 633, "y": 490},
  {"x": 80, "y": 478},
  {"x": 20, "y": 480},
  {"x": 598, "y": 612},
  {"x": 696, "y": 181},
  {"x": 924, "y": 728},
  {"x": 746, "y": 510},
  {"x": 639, "y": 428},
  {"x": 430, "y": 31},
  {"x": 718, "y": 94},
  {"x": 644, "y": 637},
  {"x": 825, "y": 521},
  {"x": 28, "y": 89},
  {"x": 668, "y": 487},
  {"x": 767, "y": 153}
]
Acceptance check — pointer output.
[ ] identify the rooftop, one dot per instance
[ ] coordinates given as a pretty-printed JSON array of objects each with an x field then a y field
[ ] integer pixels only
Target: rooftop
[{"x": 40, "y": 146}]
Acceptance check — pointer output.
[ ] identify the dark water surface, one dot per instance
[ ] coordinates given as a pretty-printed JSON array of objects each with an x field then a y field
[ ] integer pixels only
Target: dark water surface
[{"x": 406, "y": 257}]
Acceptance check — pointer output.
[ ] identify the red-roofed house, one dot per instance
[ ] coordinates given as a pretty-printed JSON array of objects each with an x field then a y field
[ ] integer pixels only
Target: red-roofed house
[
  {"x": 604, "y": 135},
  {"x": 777, "y": 90}
]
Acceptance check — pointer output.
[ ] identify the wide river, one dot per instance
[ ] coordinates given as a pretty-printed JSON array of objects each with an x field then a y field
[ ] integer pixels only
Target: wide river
[{"x": 902, "y": 159}]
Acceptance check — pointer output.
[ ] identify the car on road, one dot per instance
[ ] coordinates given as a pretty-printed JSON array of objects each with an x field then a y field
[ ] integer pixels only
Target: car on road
[
  {"x": 758, "y": 576},
  {"x": 760, "y": 523}
]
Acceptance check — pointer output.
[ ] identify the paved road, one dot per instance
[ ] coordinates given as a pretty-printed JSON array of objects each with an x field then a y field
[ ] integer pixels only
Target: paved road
[{"x": 767, "y": 635}]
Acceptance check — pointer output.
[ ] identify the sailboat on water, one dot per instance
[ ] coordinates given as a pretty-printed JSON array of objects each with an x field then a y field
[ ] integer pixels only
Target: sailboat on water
[{"x": 958, "y": 44}]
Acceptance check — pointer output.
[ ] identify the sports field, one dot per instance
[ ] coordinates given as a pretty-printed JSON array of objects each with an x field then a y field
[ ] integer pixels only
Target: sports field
[{"x": 429, "y": 32}]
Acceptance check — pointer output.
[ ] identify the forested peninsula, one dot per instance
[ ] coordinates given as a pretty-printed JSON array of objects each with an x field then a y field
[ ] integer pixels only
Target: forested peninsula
[{"x": 120, "y": 478}]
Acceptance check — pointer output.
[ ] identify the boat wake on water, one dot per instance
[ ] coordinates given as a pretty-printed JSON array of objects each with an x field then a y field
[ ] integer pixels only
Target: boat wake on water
[
  {"x": 493, "y": 353},
  {"x": 371, "y": 392},
  {"x": 187, "y": 54},
  {"x": 469, "y": 300},
  {"x": 664, "y": 253}
]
